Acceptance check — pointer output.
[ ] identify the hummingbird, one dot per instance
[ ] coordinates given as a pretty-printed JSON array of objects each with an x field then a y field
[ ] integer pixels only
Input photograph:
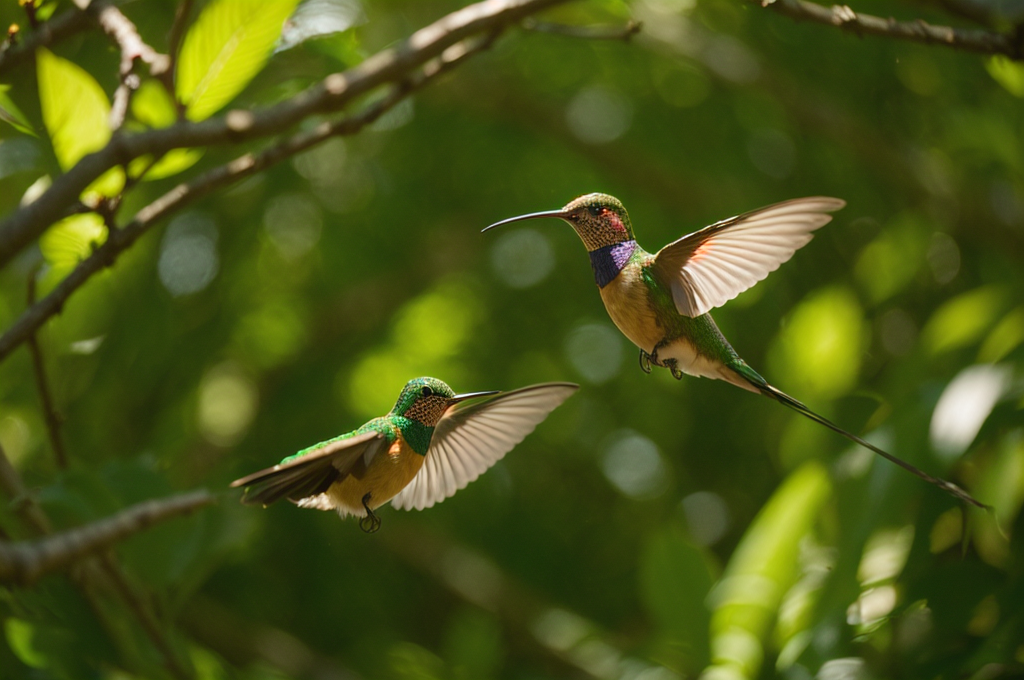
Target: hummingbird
[
  {"x": 661, "y": 301},
  {"x": 432, "y": 443}
]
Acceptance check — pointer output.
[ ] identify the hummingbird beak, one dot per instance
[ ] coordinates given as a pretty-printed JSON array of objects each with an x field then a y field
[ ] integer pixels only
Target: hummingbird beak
[
  {"x": 471, "y": 395},
  {"x": 561, "y": 214}
]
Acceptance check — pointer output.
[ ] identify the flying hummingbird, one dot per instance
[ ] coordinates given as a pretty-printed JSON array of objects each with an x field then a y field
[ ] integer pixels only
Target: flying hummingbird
[
  {"x": 661, "y": 301},
  {"x": 432, "y": 443}
]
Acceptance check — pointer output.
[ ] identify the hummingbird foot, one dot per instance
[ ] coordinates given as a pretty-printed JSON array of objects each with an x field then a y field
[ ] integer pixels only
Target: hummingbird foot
[
  {"x": 671, "y": 365},
  {"x": 371, "y": 523},
  {"x": 645, "y": 362}
]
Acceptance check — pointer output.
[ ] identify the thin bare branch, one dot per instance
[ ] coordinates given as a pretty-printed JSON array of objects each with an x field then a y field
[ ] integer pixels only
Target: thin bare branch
[
  {"x": 183, "y": 194},
  {"x": 43, "y": 385},
  {"x": 841, "y": 16},
  {"x": 123, "y": 32},
  {"x": 21, "y": 501},
  {"x": 586, "y": 32},
  {"x": 64, "y": 25},
  {"x": 144, "y": 613},
  {"x": 23, "y": 563},
  {"x": 331, "y": 95}
]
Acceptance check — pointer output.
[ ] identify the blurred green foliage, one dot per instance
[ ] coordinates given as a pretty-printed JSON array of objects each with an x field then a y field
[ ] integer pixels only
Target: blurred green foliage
[{"x": 650, "y": 529}]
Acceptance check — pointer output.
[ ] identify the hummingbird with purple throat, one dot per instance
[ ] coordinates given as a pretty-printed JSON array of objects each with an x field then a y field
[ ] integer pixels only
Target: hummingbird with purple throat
[
  {"x": 432, "y": 443},
  {"x": 661, "y": 301}
]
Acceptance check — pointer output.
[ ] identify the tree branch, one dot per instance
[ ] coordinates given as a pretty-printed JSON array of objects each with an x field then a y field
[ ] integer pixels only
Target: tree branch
[
  {"x": 586, "y": 32},
  {"x": 331, "y": 95},
  {"x": 62, "y": 26},
  {"x": 23, "y": 563},
  {"x": 123, "y": 32},
  {"x": 21, "y": 500},
  {"x": 841, "y": 16},
  {"x": 45, "y": 397},
  {"x": 120, "y": 239}
]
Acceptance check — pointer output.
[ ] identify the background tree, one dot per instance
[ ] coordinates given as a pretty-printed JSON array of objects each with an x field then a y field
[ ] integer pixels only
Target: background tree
[{"x": 215, "y": 252}]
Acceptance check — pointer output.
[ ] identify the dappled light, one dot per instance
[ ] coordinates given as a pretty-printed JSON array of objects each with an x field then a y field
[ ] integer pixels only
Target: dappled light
[{"x": 231, "y": 230}]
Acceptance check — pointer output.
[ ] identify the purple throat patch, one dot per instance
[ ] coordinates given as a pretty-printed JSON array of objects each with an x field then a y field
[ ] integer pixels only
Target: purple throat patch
[{"x": 608, "y": 261}]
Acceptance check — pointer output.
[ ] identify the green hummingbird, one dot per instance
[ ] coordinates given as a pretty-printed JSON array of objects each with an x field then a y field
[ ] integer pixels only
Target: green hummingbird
[
  {"x": 661, "y": 301},
  {"x": 432, "y": 443}
]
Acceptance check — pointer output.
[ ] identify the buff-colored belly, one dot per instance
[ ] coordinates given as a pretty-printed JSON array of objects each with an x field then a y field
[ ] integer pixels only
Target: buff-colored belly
[
  {"x": 629, "y": 306},
  {"x": 388, "y": 473}
]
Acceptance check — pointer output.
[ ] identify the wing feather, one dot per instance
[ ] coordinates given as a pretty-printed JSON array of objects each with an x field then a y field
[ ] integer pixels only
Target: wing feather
[
  {"x": 709, "y": 267},
  {"x": 310, "y": 474},
  {"x": 473, "y": 436}
]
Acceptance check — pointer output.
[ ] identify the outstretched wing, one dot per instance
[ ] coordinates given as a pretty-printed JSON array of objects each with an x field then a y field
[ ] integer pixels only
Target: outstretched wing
[
  {"x": 473, "y": 436},
  {"x": 309, "y": 474},
  {"x": 712, "y": 266}
]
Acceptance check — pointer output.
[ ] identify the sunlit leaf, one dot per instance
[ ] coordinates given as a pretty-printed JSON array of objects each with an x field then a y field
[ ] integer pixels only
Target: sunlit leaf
[
  {"x": 962, "y": 320},
  {"x": 224, "y": 49},
  {"x": 152, "y": 105},
  {"x": 819, "y": 349},
  {"x": 173, "y": 162},
  {"x": 318, "y": 19},
  {"x": 73, "y": 239},
  {"x": 1008, "y": 73},
  {"x": 76, "y": 115},
  {"x": 889, "y": 263},
  {"x": 761, "y": 570}
]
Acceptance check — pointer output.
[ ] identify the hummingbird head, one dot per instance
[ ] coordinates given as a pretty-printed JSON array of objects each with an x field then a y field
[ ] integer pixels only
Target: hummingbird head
[
  {"x": 599, "y": 219},
  {"x": 425, "y": 400}
]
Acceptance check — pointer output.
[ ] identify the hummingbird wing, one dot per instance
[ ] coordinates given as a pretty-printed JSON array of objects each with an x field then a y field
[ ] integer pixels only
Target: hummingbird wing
[
  {"x": 474, "y": 435},
  {"x": 310, "y": 473},
  {"x": 709, "y": 267}
]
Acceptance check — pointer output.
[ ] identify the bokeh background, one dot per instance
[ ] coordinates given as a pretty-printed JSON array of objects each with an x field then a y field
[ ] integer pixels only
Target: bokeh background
[{"x": 651, "y": 528}]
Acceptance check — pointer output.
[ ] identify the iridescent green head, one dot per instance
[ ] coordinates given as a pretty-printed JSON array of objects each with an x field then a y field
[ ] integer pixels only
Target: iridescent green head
[
  {"x": 425, "y": 400},
  {"x": 599, "y": 219}
]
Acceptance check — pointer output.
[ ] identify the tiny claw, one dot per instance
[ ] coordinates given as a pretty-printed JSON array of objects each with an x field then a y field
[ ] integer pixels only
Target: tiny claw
[
  {"x": 370, "y": 523},
  {"x": 645, "y": 362},
  {"x": 671, "y": 365}
]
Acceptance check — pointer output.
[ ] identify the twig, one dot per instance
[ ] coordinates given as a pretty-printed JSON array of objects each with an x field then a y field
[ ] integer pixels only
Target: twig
[
  {"x": 240, "y": 168},
  {"x": 22, "y": 501},
  {"x": 58, "y": 28},
  {"x": 144, "y": 613},
  {"x": 841, "y": 16},
  {"x": 181, "y": 15},
  {"x": 123, "y": 32},
  {"x": 23, "y": 563},
  {"x": 331, "y": 95},
  {"x": 45, "y": 396},
  {"x": 586, "y": 32}
]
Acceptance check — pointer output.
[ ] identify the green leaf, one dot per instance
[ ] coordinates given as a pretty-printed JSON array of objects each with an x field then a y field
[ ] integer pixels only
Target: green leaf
[
  {"x": 75, "y": 109},
  {"x": 173, "y": 162},
  {"x": 11, "y": 114},
  {"x": 963, "y": 320},
  {"x": 763, "y": 567},
  {"x": 76, "y": 113},
  {"x": 19, "y": 637},
  {"x": 153, "y": 106},
  {"x": 224, "y": 49},
  {"x": 1007, "y": 73},
  {"x": 71, "y": 240}
]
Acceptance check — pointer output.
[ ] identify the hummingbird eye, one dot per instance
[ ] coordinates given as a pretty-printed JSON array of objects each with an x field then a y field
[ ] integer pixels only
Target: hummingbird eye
[
  {"x": 594, "y": 210},
  {"x": 426, "y": 391}
]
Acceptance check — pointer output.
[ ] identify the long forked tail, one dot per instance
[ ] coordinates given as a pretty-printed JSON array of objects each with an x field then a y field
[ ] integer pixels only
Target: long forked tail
[{"x": 778, "y": 395}]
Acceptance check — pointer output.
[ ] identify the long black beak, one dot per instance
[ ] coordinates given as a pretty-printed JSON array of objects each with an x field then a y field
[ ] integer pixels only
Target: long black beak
[
  {"x": 531, "y": 216},
  {"x": 471, "y": 395}
]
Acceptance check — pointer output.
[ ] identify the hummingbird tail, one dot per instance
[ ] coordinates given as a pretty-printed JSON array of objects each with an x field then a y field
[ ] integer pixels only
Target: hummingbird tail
[{"x": 778, "y": 395}]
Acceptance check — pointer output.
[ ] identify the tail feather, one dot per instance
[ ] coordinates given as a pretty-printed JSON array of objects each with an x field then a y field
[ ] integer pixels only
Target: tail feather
[{"x": 752, "y": 377}]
